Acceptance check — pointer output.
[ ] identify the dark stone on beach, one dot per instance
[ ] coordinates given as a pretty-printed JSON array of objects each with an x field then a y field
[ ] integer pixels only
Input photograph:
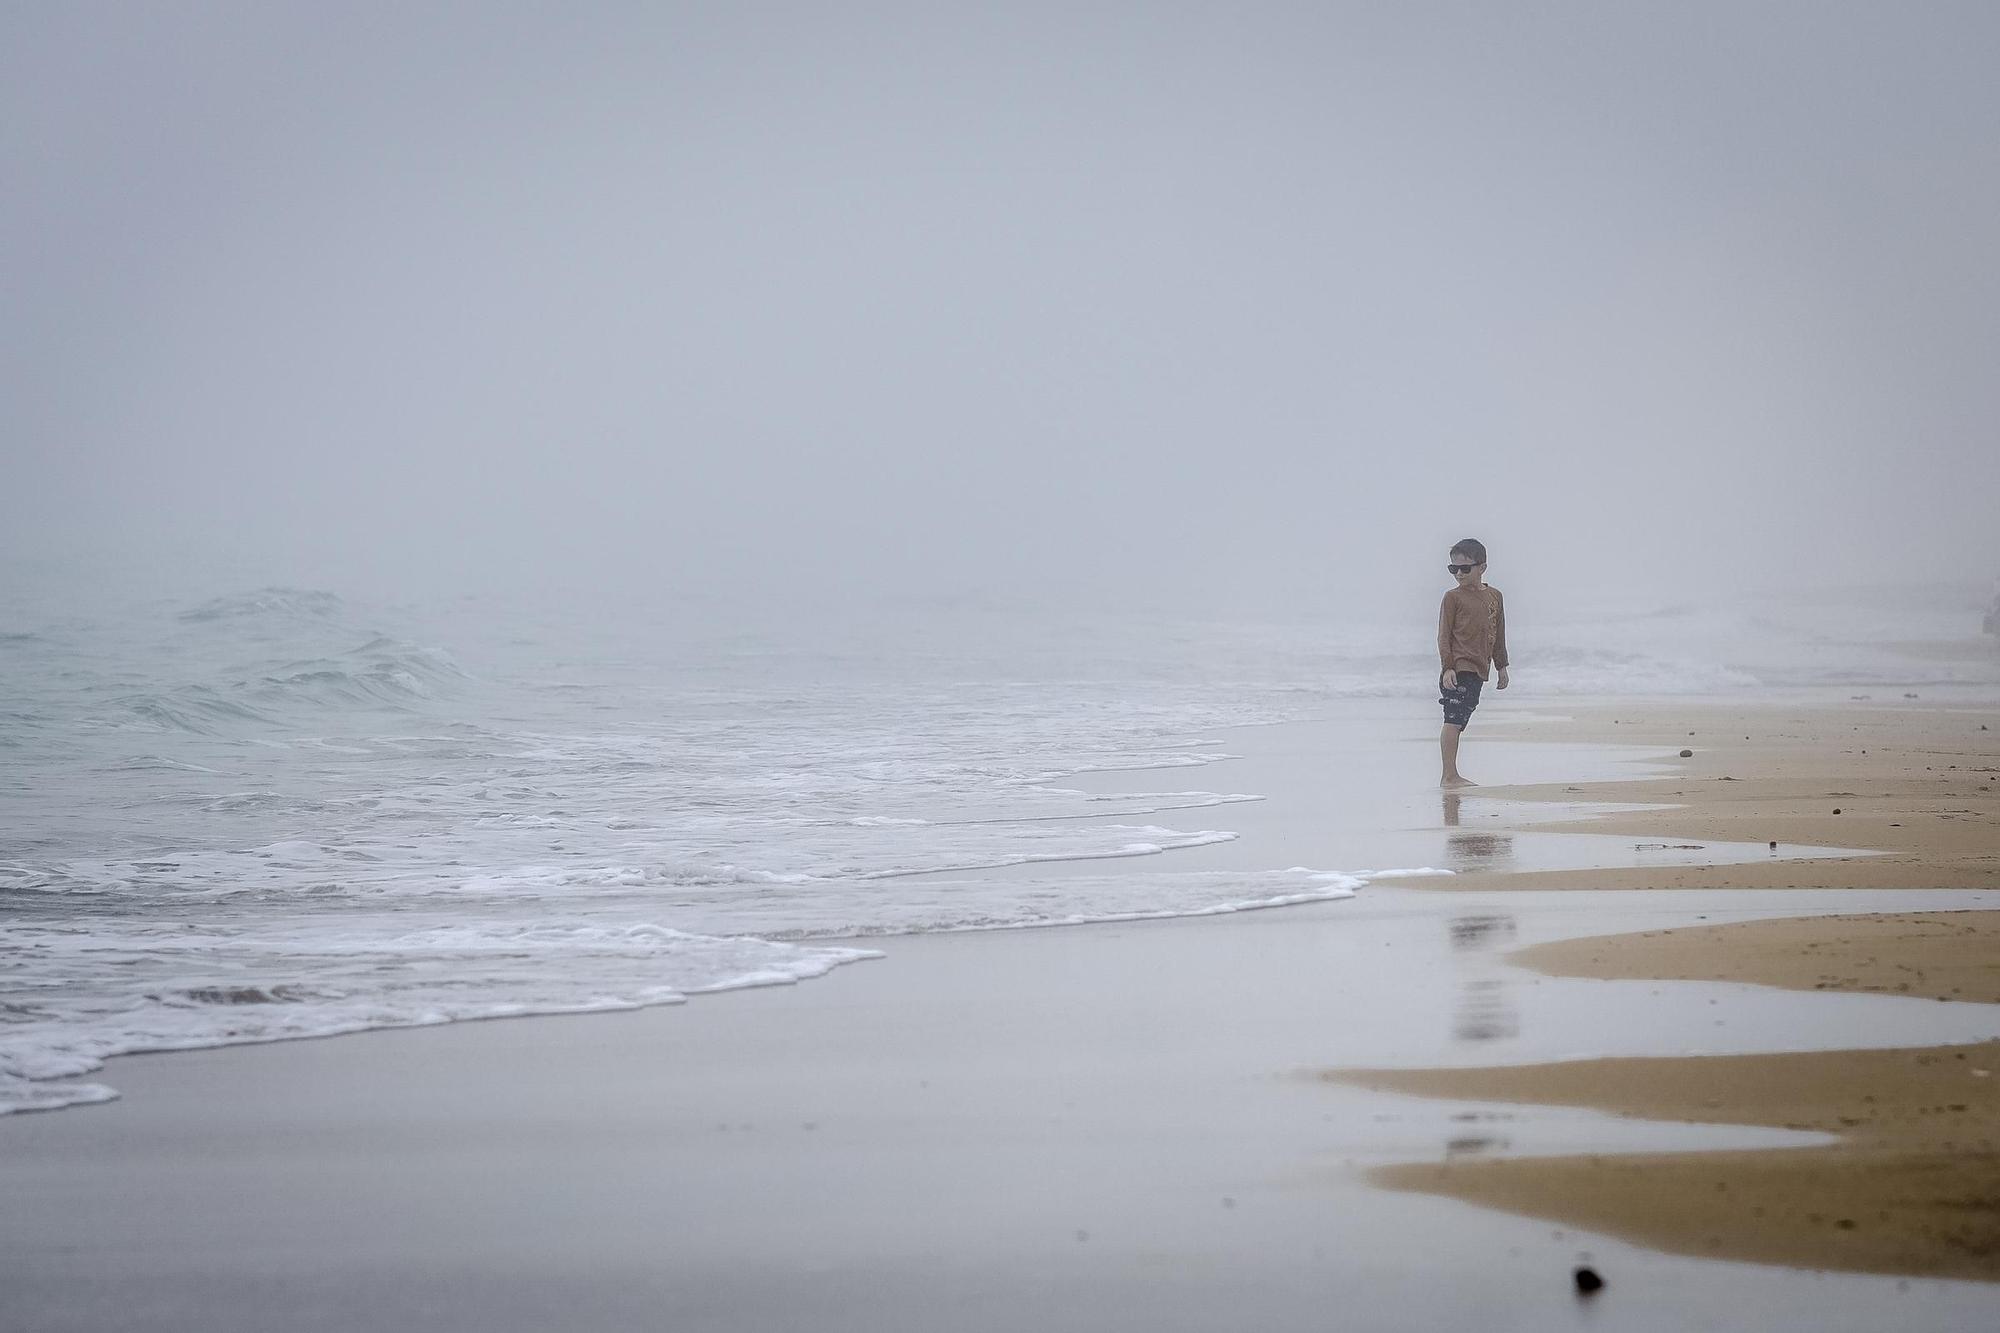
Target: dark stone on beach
[
  {"x": 1588, "y": 1283},
  {"x": 1774, "y": 844},
  {"x": 1687, "y": 754},
  {"x": 1836, "y": 809}
]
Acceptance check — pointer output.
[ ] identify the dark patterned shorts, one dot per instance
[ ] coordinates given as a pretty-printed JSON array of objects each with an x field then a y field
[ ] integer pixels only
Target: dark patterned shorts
[{"x": 1459, "y": 703}]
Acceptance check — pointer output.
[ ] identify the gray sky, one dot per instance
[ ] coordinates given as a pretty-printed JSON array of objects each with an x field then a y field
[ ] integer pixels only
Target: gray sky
[{"x": 1256, "y": 303}]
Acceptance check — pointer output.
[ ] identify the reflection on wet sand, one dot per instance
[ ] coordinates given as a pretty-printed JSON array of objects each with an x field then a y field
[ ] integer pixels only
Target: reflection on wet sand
[
  {"x": 1481, "y": 930},
  {"x": 1471, "y": 1145},
  {"x": 1469, "y": 852},
  {"x": 1485, "y": 1010},
  {"x": 1480, "y": 851}
]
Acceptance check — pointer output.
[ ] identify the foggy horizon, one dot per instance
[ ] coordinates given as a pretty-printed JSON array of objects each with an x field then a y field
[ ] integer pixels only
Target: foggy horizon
[{"x": 1253, "y": 310}]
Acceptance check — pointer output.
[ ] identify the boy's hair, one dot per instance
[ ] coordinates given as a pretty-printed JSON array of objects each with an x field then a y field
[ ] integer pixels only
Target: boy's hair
[{"x": 1472, "y": 549}]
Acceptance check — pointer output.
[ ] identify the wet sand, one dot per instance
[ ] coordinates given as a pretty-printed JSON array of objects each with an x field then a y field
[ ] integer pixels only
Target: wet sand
[
  {"x": 1097, "y": 1127},
  {"x": 1913, "y": 1185},
  {"x": 1917, "y": 785},
  {"x": 1102, "y": 1127}
]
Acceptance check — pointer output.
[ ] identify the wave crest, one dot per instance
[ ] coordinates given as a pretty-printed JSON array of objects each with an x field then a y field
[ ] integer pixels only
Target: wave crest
[
  {"x": 383, "y": 671},
  {"x": 267, "y": 602}
]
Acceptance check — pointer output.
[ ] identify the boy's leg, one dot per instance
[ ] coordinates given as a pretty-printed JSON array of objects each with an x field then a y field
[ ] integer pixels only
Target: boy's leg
[
  {"x": 1459, "y": 699},
  {"x": 1448, "y": 747}
]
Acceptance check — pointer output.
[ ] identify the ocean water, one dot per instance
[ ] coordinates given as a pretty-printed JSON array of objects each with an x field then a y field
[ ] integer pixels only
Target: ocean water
[{"x": 254, "y": 814}]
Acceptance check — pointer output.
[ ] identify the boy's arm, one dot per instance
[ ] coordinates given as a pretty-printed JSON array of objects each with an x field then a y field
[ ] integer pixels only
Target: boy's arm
[
  {"x": 1444, "y": 636},
  {"x": 1499, "y": 630}
]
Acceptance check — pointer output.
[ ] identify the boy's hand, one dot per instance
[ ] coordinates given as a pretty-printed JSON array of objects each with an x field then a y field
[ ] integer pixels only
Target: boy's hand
[
  {"x": 1502, "y": 682},
  {"x": 1447, "y": 679}
]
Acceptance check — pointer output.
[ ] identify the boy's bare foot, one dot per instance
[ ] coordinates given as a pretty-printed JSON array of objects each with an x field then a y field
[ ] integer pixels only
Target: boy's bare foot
[{"x": 1456, "y": 781}]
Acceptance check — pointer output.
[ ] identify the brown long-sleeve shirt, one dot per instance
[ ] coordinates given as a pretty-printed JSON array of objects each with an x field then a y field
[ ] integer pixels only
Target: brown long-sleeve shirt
[{"x": 1472, "y": 630}]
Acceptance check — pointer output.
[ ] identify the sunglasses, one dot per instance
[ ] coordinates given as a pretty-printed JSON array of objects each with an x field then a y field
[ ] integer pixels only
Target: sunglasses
[{"x": 1461, "y": 569}]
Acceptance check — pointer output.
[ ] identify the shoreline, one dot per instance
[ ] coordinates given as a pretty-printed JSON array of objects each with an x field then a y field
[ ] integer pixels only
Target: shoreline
[
  {"x": 1120, "y": 1127},
  {"x": 1313, "y": 815}
]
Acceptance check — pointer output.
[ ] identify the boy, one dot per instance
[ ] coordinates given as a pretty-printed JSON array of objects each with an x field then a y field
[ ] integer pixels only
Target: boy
[{"x": 1472, "y": 633}]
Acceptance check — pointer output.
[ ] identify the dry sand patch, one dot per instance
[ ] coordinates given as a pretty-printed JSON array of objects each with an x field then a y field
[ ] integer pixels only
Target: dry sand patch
[{"x": 1912, "y": 1187}]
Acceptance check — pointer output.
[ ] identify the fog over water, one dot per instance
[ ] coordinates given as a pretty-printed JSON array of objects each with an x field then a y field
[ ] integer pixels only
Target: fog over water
[{"x": 787, "y": 308}]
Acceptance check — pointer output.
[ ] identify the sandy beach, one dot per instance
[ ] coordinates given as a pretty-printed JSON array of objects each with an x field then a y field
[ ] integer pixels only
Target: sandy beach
[
  {"x": 1914, "y": 784},
  {"x": 743, "y": 668},
  {"x": 1132, "y": 1125},
  {"x": 1913, "y": 1184}
]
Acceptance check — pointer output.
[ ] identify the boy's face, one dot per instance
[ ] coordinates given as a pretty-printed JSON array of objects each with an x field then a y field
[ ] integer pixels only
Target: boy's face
[{"x": 1464, "y": 570}]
